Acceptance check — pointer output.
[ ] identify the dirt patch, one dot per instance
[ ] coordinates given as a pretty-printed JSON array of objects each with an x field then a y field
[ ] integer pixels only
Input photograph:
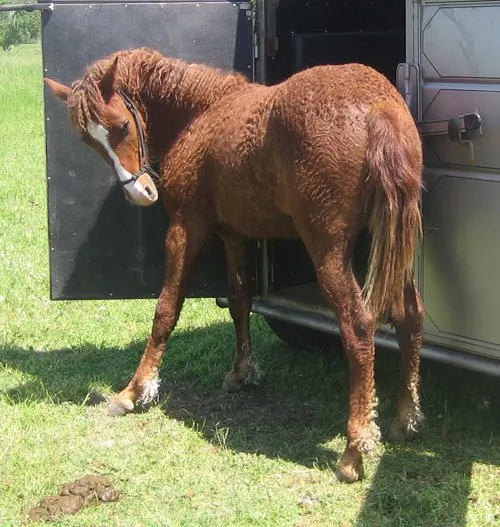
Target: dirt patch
[{"x": 89, "y": 490}]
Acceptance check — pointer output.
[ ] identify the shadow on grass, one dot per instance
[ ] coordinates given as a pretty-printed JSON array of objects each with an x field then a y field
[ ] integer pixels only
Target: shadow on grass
[
  {"x": 428, "y": 483},
  {"x": 300, "y": 404},
  {"x": 282, "y": 417}
]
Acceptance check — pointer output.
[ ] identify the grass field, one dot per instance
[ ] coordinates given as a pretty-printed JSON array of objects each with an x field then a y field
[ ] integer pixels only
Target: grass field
[{"x": 200, "y": 458}]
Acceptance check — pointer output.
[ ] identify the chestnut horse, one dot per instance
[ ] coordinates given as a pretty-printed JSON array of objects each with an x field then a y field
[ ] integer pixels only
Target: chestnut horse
[{"x": 331, "y": 150}]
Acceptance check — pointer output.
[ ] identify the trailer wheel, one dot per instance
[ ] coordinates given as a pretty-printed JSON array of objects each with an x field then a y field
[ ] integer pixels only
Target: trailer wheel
[{"x": 304, "y": 338}]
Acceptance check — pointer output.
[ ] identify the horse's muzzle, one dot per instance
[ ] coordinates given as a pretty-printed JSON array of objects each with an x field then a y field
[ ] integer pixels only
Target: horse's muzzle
[{"x": 142, "y": 191}]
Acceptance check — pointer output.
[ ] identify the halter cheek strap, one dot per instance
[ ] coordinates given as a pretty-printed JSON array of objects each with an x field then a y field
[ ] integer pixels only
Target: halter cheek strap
[{"x": 145, "y": 167}]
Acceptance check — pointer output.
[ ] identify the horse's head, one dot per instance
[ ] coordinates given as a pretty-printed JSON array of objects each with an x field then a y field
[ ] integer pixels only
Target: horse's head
[{"x": 108, "y": 120}]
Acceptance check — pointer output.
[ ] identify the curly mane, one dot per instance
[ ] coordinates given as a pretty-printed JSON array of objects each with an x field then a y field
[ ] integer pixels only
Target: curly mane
[{"x": 144, "y": 73}]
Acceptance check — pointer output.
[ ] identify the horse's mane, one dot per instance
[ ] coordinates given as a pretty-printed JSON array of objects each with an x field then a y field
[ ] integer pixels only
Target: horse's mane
[{"x": 149, "y": 73}]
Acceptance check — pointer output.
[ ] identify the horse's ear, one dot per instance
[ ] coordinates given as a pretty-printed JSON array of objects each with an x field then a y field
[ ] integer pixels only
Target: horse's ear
[
  {"x": 107, "y": 84},
  {"x": 60, "y": 90}
]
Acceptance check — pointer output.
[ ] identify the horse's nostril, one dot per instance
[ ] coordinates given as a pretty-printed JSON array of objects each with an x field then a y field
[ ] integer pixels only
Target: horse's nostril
[{"x": 150, "y": 192}]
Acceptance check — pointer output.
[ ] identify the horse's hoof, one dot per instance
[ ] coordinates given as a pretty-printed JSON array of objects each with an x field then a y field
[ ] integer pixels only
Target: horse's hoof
[
  {"x": 119, "y": 407},
  {"x": 346, "y": 473},
  {"x": 350, "y": 467},
  {"x": 234, "y": 382},
  {"x": 231, "y": 384},
  {"x": 400, "y": 433}
]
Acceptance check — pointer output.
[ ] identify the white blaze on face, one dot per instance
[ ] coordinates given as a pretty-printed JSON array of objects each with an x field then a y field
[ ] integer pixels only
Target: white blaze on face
[{"x": 134, "y": 188}]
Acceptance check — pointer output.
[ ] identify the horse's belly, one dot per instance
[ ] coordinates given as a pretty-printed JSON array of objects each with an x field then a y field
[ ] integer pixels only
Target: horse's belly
[
  {"x": 254, "y": 221},
  {"x": 249, "y": 202}
]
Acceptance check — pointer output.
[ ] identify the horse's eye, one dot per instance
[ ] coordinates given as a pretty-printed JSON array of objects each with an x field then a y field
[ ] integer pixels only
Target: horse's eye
[{"x": 126, "y": 127}]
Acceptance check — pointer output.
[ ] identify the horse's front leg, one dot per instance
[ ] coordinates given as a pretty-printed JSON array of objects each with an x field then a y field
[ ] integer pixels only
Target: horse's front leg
[
  {"x": 244, "y": 369},
  {"x": 182, "y": 246}
]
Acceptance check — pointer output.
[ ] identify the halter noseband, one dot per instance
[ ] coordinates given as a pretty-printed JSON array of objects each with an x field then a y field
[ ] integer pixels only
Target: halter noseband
[{"x": 145, "y": 167}]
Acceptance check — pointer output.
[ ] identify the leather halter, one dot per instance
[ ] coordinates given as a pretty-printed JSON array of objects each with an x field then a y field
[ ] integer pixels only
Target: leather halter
[{"x": 143, "y": 149}]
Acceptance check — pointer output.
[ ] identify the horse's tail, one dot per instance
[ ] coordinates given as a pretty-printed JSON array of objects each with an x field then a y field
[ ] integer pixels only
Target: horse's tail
[{"x": 394, "y": 178}]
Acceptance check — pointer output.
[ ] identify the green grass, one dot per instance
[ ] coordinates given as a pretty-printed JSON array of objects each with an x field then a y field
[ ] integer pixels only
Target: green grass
[{"x": 264, "y": 457}]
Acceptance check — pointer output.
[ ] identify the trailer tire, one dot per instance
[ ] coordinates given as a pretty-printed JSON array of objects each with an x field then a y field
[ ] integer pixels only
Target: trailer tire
[{"x": 304, "y": 338}]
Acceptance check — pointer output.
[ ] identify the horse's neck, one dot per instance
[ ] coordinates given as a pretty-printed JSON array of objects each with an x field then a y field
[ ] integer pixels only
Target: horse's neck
[
  {"x": 177, "y": 84},
  {"x": 176, "y": 93}
]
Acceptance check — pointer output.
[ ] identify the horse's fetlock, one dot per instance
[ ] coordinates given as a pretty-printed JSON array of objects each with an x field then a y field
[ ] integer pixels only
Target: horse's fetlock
[
  {"x": 366, "y": 440},
  {"x": 149, "y": 391},
  {"x": 251, "y": 373}
]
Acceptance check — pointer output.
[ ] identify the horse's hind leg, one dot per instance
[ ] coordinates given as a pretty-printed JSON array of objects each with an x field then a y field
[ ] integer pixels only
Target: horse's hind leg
[
  {"x": 244, "y": 369},
  {"x": 357, "y": 328},
  {"x": 181, "y": 250},
  {"x": 408, "y": 319}
]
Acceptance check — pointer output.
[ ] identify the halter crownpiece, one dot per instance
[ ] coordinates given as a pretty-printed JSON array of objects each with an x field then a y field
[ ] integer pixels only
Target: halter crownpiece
[{"x": 145, "y": 167}]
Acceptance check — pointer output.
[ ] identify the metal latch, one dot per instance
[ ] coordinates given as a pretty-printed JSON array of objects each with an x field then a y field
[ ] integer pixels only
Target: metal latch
[
  {"x": 28, "y": 7},
  {"x": 460, "y": 129},
  {"x": 408, "y": 85}
]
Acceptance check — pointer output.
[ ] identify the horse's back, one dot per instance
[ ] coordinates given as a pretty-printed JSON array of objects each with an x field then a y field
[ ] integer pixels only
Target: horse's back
[
  {"x": 339, "y": 84},
  {"x": 336, "y": 97},
  {"x": 244, "y": 165}
]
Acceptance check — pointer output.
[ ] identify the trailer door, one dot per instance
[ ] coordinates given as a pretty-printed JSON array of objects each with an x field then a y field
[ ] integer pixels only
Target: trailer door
[
  {"x": 452, "y": 84},
  {"x": 100, "y": 245}
]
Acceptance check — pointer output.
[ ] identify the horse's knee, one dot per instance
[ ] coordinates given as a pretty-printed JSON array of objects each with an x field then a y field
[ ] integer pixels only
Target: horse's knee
[
  {"x": 164, "y": 322},
  {"x": 239, "y": 308}
]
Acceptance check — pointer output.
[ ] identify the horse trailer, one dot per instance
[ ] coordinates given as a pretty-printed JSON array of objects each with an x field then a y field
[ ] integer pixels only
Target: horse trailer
[{"x": 439, "y": 55}]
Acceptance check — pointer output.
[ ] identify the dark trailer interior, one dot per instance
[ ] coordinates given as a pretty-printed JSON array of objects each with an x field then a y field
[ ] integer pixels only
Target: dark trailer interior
[{"x": 305, "y": 33}]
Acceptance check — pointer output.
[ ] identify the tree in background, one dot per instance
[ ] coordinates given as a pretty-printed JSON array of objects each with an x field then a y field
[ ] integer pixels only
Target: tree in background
[{"x": 18, "y": 27}]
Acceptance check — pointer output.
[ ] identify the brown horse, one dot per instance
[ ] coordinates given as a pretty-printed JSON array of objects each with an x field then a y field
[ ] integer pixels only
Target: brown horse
[{"x": 329, "y": 151}]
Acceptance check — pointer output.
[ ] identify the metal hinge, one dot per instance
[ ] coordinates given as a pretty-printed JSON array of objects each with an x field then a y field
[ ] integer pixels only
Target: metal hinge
[
  {"x": 460, "y": 129},
  {"x": 28, "y": 7}
]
